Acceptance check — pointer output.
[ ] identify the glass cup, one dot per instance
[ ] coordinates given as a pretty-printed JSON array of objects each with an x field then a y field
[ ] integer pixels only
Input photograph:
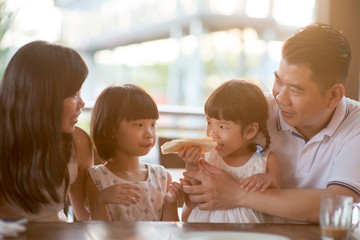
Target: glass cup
[{"x": 336, "y": 217}]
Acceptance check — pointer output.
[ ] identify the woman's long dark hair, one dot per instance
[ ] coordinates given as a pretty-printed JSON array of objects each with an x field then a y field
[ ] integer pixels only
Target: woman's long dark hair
[{"x": 34, "y": 153}]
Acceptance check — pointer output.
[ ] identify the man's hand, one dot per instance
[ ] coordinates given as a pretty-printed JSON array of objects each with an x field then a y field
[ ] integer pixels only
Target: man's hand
[{"x": 216, "y": 188}]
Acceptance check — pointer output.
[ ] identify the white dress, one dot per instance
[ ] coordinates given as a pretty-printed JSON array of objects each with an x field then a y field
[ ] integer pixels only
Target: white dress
[
  {"x": 256, "y": 164},
  {"x": 152, "y": 191}
]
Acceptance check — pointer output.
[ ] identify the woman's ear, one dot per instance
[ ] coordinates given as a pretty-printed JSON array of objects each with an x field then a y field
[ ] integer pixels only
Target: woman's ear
[
  {"x": 251, "y": 130},
  {"x": 335, "y": 94}
]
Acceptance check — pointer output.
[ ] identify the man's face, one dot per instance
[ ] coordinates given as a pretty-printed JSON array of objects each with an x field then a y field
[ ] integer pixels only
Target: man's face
[{"x": 299, "y": 98}]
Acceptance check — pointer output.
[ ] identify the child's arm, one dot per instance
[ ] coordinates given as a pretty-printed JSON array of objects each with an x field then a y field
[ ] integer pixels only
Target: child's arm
[
  {"x": 188, "y": 203},
  {"x": 118, "y": 193},
  {"x": 173, "y": 194},
  {"x": 186, "y": 211},
  {"x": 191, "y": 156},
  {"x": 262, "y": 181}
]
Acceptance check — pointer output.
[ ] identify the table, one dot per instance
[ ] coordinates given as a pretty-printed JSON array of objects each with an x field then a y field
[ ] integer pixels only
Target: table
[{"x": 157, "y": 230}]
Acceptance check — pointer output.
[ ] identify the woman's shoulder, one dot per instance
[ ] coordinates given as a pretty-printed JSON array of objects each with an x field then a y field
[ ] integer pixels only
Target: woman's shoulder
[
  {"x": 84, "y": 150},
  {"x": 80, "y": 136},
  {"x": 81, "y": 139}
]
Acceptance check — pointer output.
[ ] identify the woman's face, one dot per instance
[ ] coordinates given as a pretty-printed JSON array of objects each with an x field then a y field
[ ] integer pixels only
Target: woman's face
[{"x": 70, "y": 112}]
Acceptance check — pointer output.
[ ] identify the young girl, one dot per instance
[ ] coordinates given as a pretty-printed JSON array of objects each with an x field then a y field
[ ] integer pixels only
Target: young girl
[
  {"x": 236, "y": 112},
  {"x": 123, "y": 128}
]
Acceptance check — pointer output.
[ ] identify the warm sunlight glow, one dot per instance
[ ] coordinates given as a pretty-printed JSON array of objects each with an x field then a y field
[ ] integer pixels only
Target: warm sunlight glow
[
  {"x": 294, "y": 12},
  {"x": 257, "y": 8},
  {"x": 274, "y": 50},
  {"x": 226, "y": 7},
  {"x": 140, "y": 54},
  {"x": 34, "y": 19}
]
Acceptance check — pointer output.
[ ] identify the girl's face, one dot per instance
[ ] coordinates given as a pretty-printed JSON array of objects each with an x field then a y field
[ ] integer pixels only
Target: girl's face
[
  {"x": 136, "y": 138},
  {"x": 71, "y": 110},
  {"x": 230, "y": 137}
]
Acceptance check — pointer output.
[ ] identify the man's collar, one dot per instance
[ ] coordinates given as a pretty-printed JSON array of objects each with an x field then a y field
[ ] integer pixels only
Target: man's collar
[{"x": 341, "y": 112}]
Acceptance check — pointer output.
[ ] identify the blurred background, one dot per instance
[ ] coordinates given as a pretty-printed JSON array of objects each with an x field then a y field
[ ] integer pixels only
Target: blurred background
[{"x": 179, "y": 50}]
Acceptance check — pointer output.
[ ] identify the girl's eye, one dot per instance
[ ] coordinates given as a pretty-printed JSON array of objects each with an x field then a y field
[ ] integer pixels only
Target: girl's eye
[
  {"x": 222, "y": 127},
  {"x": 138, "y": 124}
]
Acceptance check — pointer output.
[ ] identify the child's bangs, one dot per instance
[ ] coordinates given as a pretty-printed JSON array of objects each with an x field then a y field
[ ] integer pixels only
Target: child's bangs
[
  {"x": 221, "y": 108},
  {"x": 142, "y": 107}
]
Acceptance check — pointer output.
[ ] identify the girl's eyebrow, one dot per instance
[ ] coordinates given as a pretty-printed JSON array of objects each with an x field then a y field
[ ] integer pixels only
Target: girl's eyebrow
[{"x": 218, "y": 121}]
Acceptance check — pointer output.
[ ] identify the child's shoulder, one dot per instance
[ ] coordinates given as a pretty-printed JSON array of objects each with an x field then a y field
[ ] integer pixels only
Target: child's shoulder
[
  {"x": 158, "y": 173},
  {"x": 97, "y": 168},
  {"x": 266, "y": 153},
  {"x": 156, "y": 167}
]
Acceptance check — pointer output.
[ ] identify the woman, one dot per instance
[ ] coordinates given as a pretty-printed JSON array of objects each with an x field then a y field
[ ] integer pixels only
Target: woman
[{"x": 43, "y": 156}]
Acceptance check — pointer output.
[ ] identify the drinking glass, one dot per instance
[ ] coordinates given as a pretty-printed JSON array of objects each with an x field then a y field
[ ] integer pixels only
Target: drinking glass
[{"x": 336, "y": 217}]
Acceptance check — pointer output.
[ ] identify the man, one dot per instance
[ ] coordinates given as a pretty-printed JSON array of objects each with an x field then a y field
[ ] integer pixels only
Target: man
[{"x": 315, "y": 132}]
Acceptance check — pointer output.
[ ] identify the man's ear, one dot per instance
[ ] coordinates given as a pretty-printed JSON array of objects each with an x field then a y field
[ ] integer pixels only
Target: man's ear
[
  {"x": 335, "y": 94},
  {"x": 251, "y": 130}
]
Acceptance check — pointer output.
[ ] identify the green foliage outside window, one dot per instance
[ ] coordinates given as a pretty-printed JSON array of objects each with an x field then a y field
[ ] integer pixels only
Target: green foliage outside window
[{"x": 6, "y": 20}]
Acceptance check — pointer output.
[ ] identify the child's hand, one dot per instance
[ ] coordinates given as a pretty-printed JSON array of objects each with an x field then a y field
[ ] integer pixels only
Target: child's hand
[
  {"x": 175, "y": 193},
  {"x": 124, "y": 194},
  {"x": 259, "y": 181},
  {"x": 191, "y": 156},
  {"x": 187, "y": 200}
]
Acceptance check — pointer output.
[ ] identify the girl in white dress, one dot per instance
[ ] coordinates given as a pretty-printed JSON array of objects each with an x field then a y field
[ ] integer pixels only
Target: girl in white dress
[
  {"x": 236, "y": 112},
  {"x": 123, "y": 128}
]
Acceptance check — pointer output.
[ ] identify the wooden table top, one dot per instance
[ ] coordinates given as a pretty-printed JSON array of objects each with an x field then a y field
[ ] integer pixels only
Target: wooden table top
[
  {"x": 157, "y": 230},
  {"x": 93, "y": 230}
]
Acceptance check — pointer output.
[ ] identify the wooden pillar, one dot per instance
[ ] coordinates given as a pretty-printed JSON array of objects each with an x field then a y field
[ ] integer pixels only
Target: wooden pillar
[{"x": 344, "y": 15}]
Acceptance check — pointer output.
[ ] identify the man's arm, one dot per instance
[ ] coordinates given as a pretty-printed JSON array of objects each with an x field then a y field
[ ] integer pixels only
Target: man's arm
[
  {"x": 218, "y": 190},
  {"x": 295, "y": 204}
]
